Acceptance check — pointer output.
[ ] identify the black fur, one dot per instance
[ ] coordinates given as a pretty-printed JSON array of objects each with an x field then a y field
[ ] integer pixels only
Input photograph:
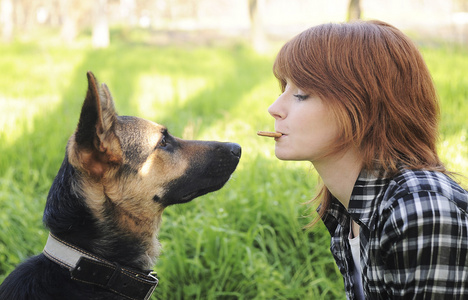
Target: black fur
[{"x": 68, "y": 218}]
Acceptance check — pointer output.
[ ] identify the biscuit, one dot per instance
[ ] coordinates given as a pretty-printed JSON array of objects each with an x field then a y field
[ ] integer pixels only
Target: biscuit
[{"x": 269, "y": 134}]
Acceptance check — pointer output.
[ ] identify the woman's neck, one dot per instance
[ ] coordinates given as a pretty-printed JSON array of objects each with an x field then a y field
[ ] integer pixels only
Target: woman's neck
[{"x": 339, "y": 173}]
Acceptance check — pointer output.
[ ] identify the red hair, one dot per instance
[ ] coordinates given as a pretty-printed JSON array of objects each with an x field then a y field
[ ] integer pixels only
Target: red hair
[{"x": 377, "y": 84}]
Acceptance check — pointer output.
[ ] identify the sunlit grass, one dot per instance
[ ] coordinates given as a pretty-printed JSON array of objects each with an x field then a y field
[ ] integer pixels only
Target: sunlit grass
[
  {"x": 448, "y": 67},
  {"x": 243, "y": 242}
]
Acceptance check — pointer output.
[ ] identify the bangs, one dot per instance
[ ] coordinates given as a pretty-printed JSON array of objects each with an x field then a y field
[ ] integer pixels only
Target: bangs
[
  {"x": 281, "y": 67},
  {"x": 301, "y": 61}
]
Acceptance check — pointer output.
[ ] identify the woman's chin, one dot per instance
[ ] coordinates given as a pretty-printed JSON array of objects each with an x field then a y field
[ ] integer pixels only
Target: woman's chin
[{"x": 285, "y": 156}]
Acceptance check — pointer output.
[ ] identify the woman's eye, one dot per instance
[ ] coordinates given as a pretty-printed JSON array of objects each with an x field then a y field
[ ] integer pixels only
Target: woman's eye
[{"x": 301, "y": 97}]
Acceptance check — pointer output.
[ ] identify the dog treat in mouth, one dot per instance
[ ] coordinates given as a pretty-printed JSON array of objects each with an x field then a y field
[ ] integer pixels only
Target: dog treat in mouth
[{"x": 269, "y": 134}]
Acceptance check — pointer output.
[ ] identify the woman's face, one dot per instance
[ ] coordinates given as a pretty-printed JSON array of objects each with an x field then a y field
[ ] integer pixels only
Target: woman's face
[{"x": 309, "y": 128}]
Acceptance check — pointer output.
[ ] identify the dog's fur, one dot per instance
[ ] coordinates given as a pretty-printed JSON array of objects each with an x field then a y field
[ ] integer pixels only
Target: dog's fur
[{"x": 118, "y": 175}]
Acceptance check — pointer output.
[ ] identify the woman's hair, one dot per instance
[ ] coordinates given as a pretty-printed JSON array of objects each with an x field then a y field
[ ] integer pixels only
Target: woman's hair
[{"x": 375, "y": 81}]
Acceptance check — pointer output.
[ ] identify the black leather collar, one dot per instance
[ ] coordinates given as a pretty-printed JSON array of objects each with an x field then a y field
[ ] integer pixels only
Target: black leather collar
[{"x": 88, "y": 268}]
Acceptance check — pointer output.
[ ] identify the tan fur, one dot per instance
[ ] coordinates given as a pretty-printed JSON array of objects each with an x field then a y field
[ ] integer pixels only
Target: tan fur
[{"x": 130, "y": 196}]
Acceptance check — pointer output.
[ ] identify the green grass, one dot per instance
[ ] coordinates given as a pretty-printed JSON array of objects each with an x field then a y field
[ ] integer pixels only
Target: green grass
[{"x": 243, "y": 242}]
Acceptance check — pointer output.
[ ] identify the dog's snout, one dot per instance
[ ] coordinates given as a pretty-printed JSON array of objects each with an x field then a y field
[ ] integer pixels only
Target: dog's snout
[{"x": 236, "y": 149}]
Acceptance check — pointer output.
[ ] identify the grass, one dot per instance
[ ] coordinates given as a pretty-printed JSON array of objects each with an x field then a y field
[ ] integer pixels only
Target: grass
[{"x": 243, "y": 242}]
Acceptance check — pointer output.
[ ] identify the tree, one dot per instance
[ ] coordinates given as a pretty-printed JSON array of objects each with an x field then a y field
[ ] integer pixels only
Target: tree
[
  {"x": 100, "y": 37},
  {"x": 69, "y": 21},
  {"x": 127, "y": 12},
  {"x": 257, "y": 32},
  {"x": 6, "y": 18},
  {"x": 354, "y": 10}
]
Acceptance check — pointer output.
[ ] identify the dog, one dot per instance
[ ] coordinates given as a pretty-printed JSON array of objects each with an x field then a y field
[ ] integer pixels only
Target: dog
[{"x": 104, "y": 207}]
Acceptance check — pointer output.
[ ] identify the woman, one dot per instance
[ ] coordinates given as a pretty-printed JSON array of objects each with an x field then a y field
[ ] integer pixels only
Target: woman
[{"x": 359, "y": 103}]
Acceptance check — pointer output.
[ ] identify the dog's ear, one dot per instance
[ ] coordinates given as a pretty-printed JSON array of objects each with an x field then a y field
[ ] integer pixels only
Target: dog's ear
[{"x": 96, "y": 147}]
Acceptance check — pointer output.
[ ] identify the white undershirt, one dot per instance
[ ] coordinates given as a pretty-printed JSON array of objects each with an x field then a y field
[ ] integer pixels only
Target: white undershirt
[{"x": 356, "y": 252}]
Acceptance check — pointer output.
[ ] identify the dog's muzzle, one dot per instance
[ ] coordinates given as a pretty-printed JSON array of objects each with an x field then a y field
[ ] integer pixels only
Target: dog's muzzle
[{"x": 88, "y": 268}]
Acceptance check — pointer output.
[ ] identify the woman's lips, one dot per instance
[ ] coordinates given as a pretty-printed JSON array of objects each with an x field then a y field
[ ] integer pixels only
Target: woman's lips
[{"x": 282, "y": 135}]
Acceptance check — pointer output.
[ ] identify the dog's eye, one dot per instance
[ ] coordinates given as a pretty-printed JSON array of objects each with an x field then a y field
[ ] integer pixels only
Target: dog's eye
[{"x": 162, "y": 142}]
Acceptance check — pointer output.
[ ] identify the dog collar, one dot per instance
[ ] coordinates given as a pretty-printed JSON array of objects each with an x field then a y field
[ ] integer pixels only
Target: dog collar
[{"x": 88, "y": 268}]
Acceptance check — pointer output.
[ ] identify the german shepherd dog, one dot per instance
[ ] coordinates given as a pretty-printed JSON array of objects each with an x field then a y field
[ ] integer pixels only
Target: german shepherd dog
[{"x": 105, "y": 205}]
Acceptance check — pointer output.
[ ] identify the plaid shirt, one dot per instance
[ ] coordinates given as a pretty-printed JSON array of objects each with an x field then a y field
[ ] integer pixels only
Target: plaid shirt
[{"x": 414, "y": 236}]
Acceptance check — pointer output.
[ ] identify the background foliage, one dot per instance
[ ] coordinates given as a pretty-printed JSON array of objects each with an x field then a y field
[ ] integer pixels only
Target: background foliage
[{"x": 243, "y": 242}]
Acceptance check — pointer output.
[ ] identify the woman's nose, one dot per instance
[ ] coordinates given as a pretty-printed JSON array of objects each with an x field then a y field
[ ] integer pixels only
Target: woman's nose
[{"x": 275, "y": 110}]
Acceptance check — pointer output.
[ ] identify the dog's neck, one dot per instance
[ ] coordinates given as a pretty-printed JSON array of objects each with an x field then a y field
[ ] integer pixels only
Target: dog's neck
[{"x": 69, "y": 216}]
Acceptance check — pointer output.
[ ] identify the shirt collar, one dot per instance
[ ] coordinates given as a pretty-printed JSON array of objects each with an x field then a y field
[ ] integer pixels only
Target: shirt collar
[{"x": 367, "y": 192}]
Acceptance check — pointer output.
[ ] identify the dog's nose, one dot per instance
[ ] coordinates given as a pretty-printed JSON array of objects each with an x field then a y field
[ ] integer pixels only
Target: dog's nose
[{"x": 235, "y": 149}]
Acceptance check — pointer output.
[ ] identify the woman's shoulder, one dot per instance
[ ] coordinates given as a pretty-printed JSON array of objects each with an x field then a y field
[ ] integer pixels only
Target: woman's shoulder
[
  {"x": 423, "y": 220},
  {"x": 423, "y": 180},
  {"x": 417, "y": 187}
]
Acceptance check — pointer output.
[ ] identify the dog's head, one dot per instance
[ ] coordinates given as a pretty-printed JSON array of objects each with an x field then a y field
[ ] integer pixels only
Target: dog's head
[{"x": 127, "y": 169}]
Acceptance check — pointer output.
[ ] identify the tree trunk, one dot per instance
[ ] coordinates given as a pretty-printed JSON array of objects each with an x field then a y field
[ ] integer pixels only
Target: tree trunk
[
  {"x": 127, "y": 12},
  {"x": 257, "y": 33},
  {"x": 354, "y": 10},
  {"x": 101, "y": 37},
  {"x": 6, "y": 18},
  {"x": 69, "y": 26}
]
